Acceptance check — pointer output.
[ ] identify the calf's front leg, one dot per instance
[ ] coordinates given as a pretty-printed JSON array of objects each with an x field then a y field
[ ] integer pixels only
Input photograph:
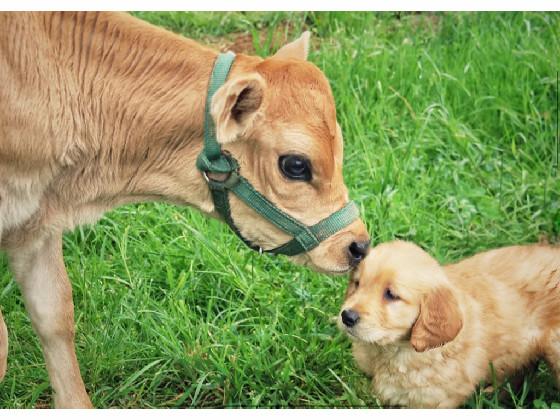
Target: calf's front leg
[
  {"x": 3, "y": 334},
  {"x": 3, "y": 347},
  {"x": 40, "y": 272}
]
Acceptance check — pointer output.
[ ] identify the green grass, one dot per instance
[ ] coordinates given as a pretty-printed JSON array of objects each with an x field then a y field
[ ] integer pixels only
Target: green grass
[{"x": 449, "y": 123}]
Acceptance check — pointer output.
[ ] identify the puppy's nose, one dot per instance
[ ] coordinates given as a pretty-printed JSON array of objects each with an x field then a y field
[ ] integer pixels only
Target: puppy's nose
[
  {"x": 349, "y": 317},
  {"x": 357, "y": 251}
]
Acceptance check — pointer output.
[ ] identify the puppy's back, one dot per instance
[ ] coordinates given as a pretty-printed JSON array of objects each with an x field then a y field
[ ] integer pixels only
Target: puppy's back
[
  {"x": 530, "y": 271},
  {"x": 532, "y": 267}
]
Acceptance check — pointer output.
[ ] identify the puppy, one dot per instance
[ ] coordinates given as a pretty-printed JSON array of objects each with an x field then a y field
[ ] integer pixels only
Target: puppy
[{"x": 429, "y": 334}]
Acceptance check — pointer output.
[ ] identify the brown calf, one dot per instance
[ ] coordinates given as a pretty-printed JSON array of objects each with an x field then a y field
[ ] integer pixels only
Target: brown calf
[{"x": 102, "y": 109}]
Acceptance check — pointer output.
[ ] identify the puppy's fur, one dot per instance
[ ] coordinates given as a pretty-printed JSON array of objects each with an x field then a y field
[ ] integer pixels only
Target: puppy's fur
[{"x": 427, "y": 334}]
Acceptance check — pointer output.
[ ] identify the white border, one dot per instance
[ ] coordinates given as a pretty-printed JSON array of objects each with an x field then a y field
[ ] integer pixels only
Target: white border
[
  {"x": 295, "y": 5},
  {"x": 309, "y": 414}
]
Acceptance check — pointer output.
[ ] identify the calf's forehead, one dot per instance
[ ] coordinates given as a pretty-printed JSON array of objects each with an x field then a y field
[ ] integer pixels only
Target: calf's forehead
[{"x": 299, "y": 98}]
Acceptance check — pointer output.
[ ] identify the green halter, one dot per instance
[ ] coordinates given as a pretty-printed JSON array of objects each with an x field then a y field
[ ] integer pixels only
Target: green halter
[{"x": 213, "y": 160}]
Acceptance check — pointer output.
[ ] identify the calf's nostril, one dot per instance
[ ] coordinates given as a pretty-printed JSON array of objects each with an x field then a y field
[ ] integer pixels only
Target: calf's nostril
[
  {"x": 349, "y": 317},
  {"x": 358, "y": 251}
]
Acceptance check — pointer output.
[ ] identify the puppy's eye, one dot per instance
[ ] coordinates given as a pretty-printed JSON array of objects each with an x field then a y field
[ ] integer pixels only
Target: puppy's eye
[
  {"x": 389, "y": 295},
  {"x": 295, "y": 167}
]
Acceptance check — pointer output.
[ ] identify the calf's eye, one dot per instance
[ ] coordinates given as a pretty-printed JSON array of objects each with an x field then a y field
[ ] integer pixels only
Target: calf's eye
[{"x": 295, "y": 167}]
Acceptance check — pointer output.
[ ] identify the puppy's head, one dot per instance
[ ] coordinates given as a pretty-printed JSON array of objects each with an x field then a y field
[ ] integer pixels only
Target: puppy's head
[{"x": 400, "y": 293}]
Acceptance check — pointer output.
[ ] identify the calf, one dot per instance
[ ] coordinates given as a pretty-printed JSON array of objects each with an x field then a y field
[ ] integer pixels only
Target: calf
[{"x": 102, "y": 109}]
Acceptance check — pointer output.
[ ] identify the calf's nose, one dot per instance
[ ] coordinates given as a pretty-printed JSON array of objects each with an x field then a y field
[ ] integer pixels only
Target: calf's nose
[
  {"x": 357, "y": 251},
  {"x": 349, "y": 317}
]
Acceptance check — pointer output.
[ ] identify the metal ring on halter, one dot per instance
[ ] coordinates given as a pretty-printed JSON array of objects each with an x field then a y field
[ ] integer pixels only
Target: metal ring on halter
[{"x": 208, "y": 179}]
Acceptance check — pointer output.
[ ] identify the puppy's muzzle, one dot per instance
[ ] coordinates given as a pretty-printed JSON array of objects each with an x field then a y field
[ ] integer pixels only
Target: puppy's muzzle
[{"x": 350, "y": 317}]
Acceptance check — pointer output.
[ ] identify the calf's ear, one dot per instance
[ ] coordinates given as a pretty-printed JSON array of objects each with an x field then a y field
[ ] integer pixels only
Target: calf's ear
[
  {"x": 439, "y": 320},
  {"x": 235, "y": 106},
  {"x": 298, "y": 49}
]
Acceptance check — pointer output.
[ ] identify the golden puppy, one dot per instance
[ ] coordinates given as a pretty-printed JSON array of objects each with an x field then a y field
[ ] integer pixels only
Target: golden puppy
[{"x": 427, "y": 334}]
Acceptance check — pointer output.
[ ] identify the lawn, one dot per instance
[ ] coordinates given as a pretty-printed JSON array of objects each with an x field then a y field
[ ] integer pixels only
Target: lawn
[{"x": 450, "y": 126}]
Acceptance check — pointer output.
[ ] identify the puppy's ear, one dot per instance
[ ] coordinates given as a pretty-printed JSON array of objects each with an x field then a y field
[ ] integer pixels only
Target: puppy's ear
[
  {"x": 235, "y": 106},
  {"x": 439, "y": 321},
  {"x": 298, "y": 49}
]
